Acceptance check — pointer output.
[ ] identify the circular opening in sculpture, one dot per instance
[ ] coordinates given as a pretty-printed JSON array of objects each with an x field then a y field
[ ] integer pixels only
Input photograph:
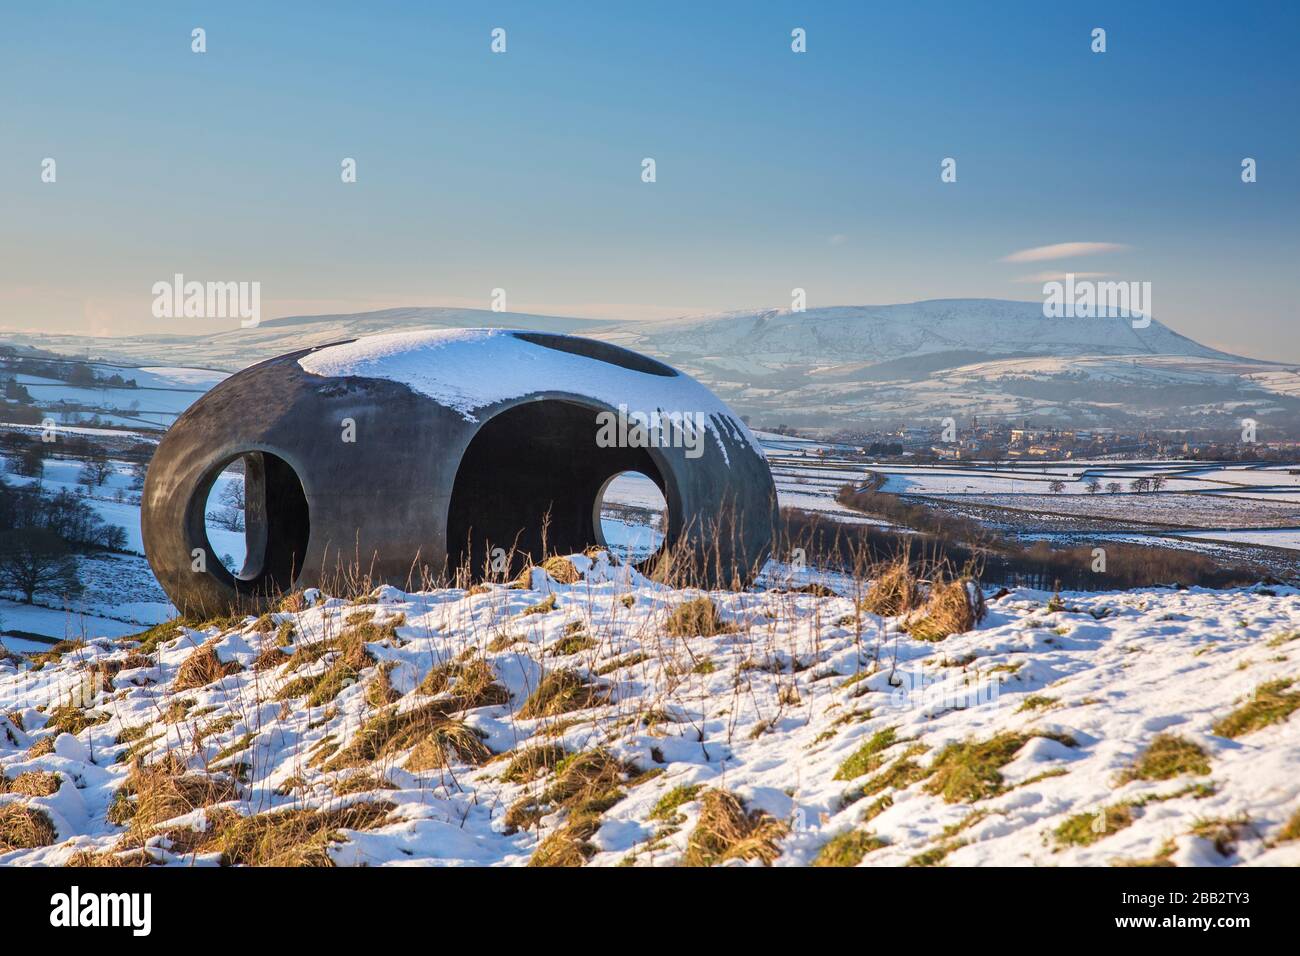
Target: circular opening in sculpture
[
  {"x": 632, "y": 517},
  {"x": 527, "y": 485},
  {"x": 256, "y": 522},
  {"x": 223, "y": 518}
]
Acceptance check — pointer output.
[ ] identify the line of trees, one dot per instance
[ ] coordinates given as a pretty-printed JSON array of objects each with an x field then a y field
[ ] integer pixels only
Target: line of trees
[{"x": 40, "y": 534}]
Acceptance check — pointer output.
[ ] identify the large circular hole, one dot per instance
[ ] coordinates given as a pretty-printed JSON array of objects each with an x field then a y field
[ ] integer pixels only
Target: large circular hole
[
  {"x": 529, "y": 486},
  {"x": 224, "y": 518},
  {"x": 256, "y": 522},
  {"x": 633, "y": 516}
]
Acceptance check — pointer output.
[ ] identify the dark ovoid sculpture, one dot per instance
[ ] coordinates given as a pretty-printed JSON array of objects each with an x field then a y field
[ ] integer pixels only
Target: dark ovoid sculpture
[{"x": 403, "y": 456}]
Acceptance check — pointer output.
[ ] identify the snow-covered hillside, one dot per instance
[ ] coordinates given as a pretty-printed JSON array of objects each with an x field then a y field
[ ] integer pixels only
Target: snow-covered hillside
[
  {"x": 609, "y": 721},
  {"x": 846, "y": 365},
  {"x": 871, "y": 334},
  {"x": 961, "y": 357}
]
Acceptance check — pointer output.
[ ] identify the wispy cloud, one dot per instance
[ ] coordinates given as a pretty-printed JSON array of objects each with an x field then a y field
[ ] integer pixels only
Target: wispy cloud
[
  {"x": 1050, "y": 276},
  {"x": 1063, "y": 250}
]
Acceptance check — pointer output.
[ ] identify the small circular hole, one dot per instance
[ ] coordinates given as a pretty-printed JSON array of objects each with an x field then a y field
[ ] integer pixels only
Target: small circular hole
[{"x": 632, "y": 517}]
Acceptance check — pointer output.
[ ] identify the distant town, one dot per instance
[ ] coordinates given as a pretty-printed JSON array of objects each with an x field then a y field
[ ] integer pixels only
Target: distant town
[{"x": 1002, "y": 441}]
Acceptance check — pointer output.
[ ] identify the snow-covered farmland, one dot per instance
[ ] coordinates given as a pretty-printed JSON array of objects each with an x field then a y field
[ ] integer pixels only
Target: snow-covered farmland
[
  {"x": 1174, "y": 510},
  {"x": 574, "y": 723}
]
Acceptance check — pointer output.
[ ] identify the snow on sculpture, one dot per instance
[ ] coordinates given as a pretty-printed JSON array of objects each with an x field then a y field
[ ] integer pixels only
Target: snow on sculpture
[{"x": 437, "y": 453}]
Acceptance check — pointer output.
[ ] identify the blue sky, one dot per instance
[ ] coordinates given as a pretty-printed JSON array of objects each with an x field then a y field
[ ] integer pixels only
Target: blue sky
[{"x": 522, "y": 170}]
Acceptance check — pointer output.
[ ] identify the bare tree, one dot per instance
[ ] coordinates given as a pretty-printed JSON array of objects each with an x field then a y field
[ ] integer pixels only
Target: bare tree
[
  {"x": 30, "y": 460},
  {"x": 1157, "y": 482},
  {"x": 231, "y": 514},
  {"x": 94, "y": 471},
  {"x": 33, "y": 560},
  {"x": 1057, "y": 486},
  {"x": 1094, "y": 486},
  {"x": 1140, "y": 484},
  {"x": 1113, "y": 487}
]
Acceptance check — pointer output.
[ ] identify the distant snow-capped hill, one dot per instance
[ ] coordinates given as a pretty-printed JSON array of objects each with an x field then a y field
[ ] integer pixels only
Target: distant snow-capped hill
[
  {"x": 997, "y": 359},
  {"x": 237, "y": 348},
  {"x": 866, "y": 335},
  {"x": 844, "y": 365}
]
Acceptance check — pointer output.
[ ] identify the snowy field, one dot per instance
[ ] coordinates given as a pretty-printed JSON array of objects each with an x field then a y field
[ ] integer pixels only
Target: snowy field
[
  {"x": 1174, "y": 510},
  {"x": 1269, "y": 537},
  {"x": 1255, "y": 505},
  {"x": 162, "y": 393},
  {"x": 567, "y": 724}
]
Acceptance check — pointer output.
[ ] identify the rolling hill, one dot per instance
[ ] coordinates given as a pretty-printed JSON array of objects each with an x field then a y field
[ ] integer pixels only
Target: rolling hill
[{"x": 847, "y": 366}]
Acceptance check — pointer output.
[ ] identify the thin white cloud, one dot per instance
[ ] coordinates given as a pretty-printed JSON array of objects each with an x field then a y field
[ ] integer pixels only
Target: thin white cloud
[{"x": 1063, "y": 250}]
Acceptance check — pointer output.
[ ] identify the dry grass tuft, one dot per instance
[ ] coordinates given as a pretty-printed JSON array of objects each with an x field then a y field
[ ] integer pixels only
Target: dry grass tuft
[
  {"x": 1270, "y": 704},
  {"x": 725, "y": 831},
  {"x": 544, "y": 606},
  {"x": 847, "y": 849},
  {"x": 55, "y": 653},
  {"x": 472, "y": 683},
  {"x": 202, "y": 668},
  {"x": 503, "y": 642},
  {"x": 351, "y": 657},
  {"x": 154, "y": 793},
  {"x": 560, "y": 569},
  {"x": 573, "y": 640},
  {"x": 360, "y": 783},
  {"x": 155, "y": 636},
  {"x": 1084, "y": 829},
  {"x": 269, "y": 658},
  {"x": 867, "y": 758},
  {"x": 24, "y": 828},
  {"x": 68, "y": 719},
  {"x": 952, "y": 607},
  {"x": 294, "y": 602},
  {"x": 526, "y": 764},
  {"x": 446, "y": 743},
  {"x": 560, "y": 692},
  {"x": 429, "y": 729},
  {"x": 380, "y": 691},
  {"x": 696, "y": 618},
  {"x": 1168, "y": 756},
  {"x": 971, "y": 770},
  {"x": 84, "y": 859},
  {"x": 894, "y": 590},
  {"x": 586, "y": 785},
  {"x": 296, "y": 837},
  {"x": 671, "y": 802},
  {"x": 1292, "y": 829},
  {"x": 32, "y": 783}
]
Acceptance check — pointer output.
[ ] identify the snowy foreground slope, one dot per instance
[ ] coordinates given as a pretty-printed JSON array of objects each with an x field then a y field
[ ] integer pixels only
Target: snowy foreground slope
[{"x": 565, "y": 723}]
